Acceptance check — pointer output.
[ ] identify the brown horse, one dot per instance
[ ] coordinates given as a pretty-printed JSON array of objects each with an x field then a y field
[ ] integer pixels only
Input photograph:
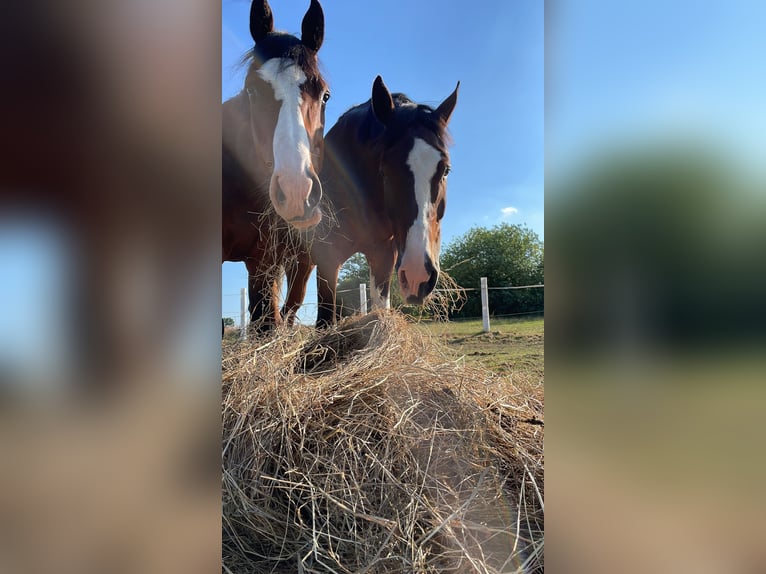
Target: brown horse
[
  {"x": 272, "y": 151},
  {"x": 385, "y": 179}
]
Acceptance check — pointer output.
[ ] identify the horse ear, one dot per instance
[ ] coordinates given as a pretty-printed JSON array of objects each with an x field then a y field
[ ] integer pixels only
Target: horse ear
[
  {"x": 261, "y": 20},
  {"x": 312, "y": 27},
  {"x": 446, "y": 108},
  {"x": 382, "y": 102}
]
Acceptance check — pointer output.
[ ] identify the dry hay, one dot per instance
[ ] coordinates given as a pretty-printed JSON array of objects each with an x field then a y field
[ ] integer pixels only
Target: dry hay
[
  {"x": 448, "y": 297},
  {"x": 281, "y": 247},
  {"x": 367, "y": 449}
]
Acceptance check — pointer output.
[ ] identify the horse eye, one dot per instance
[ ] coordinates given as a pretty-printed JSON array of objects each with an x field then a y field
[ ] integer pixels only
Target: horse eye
[
  {"x": 446, "y": 172},
  {"x": 326, "y": 97}
]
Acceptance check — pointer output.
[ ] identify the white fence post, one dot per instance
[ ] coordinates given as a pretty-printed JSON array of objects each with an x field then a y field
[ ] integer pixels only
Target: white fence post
[
  {"x": 242, "y": 314},
  {"x": 363, "y": 298},
  {"x": 484, "y": 305}
]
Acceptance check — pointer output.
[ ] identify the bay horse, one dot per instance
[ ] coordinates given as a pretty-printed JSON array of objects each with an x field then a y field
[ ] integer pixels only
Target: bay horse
[
  {"x": 272, "y": 139},
  {"x": 385, "y": 179}
]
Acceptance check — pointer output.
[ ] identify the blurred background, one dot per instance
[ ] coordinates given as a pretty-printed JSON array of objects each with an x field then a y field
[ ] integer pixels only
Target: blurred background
[
  {"x": 655, "y": 283},
  {"x": 109, "y": 281}
]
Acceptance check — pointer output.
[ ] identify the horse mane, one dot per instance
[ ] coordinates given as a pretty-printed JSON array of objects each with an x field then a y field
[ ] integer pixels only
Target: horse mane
[
  {"x": 408, "y": 115},
  {"x": 288, "y": 47}
]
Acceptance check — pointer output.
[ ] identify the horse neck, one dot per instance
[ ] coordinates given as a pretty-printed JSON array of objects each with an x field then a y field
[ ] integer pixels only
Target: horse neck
[
  {"x": 350, "y": 172},
  {"x": 237, "y": 133},
  {"x": 237, "y": 136}
]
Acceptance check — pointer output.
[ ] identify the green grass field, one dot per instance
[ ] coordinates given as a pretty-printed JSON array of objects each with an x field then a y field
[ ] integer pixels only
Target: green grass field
[{"x": 512, "y": 345}]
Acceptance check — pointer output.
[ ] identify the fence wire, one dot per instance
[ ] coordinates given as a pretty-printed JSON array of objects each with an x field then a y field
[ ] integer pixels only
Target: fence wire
[{"x": 235, "y": 314}]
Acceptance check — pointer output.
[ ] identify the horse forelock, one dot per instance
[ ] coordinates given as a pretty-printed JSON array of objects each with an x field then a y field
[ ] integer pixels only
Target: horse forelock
[
  {"x": 291, "y": 51},
  {"x": 412, "y": 120}
]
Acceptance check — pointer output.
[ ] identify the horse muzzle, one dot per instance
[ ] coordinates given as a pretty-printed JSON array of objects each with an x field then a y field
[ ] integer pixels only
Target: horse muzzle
[
  {"x": 417, "y": 281},
  {"x": 296, "y": 199}
]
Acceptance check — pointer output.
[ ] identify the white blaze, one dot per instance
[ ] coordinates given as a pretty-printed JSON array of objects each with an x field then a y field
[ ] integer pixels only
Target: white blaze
[
  {"x": 422, "y": 161},
  {"x": 292, "y": 152}
]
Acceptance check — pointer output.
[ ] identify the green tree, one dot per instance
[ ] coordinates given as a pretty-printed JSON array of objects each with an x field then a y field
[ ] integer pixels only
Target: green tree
[
  {"x": 228, "y": 322},
  {"x": 507, "y": 255},
  {"x": 657, "y": 245},
  {"x": 353, "y": 272}
]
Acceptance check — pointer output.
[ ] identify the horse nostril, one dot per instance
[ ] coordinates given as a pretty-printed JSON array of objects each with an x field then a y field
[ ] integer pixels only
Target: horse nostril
[
  {"x": 433, "y": 276},
  {"x": 425, "y": 288},
  {"x": 279, "y": 195},
  {"x": 315, "y": 195},
  {"x": 403, "y": 279},
  {"x": 429, "y": 266}
]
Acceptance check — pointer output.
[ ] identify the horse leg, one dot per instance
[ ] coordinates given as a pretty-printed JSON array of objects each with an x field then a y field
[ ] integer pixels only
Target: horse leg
[
  {"x": 263, "y": 301},
  {"x": 255, "y": 301},
  {"x": 298, "y": 274},
  {"x": 381, "y": 266},
  {"x": 329, "y": 255},
  {"x": 327, "y": 284},
  {"x": 274, "y": 318}
]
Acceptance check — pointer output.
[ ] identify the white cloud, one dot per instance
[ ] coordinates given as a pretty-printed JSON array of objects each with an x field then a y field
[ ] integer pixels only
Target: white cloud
[{"x": 508, "y": 211}]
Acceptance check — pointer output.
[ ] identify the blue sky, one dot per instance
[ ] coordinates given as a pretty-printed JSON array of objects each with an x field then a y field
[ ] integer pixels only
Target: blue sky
[
  {"x": 422, "y": 48},
  {"x": 639, "y": 70}
]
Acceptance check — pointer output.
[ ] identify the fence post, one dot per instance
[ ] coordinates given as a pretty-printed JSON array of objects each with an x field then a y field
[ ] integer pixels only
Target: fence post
[
  {"x": 242, "y": 314},
  {"x": 363, "y": 298},
  {"x": 484, "y": 305}
]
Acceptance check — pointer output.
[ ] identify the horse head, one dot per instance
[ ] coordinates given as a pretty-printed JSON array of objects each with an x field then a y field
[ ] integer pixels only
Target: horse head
[
  {"x": 414, "y": 167},
  {"x": 286, "y": 96}
]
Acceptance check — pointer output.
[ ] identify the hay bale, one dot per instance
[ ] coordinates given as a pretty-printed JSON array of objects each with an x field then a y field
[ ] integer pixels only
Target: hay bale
[{"x": 368, "y": 449}]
